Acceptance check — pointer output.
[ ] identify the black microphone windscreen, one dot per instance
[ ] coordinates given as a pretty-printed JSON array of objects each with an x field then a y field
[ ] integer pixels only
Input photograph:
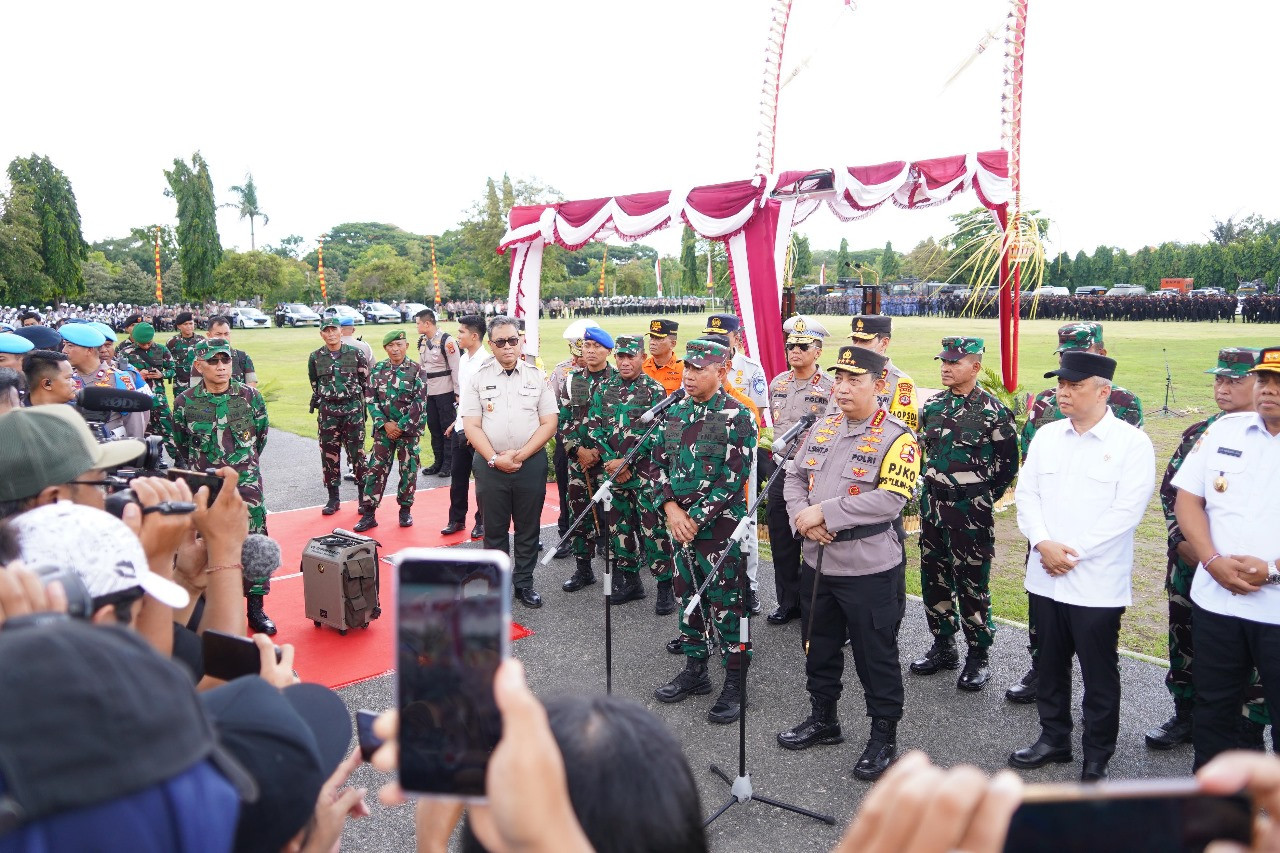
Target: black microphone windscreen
[
  {"x": 260, "y": 556},
  {"x": 97, "y": 399}
]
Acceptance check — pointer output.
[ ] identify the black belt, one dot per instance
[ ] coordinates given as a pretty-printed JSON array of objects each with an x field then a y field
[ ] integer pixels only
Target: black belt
[
  {"x": 862, "y": 531},
  {"x": 439, "y": 374},
  {"x": 944, "y": 492}
]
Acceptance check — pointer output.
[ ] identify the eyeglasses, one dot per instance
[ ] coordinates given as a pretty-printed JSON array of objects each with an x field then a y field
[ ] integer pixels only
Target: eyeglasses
[
  {"x": 503, "y": 343},
  {"x": 106, "y": 483},
  {"x": 801, "y": 347},
  {"x": 218, "y": 359}
]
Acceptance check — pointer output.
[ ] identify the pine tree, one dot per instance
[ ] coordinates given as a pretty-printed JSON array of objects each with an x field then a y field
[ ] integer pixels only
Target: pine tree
[{"x": 199, "y": 249}]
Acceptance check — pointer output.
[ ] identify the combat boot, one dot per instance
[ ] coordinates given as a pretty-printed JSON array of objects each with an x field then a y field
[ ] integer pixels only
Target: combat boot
[
  {"x": 432, "y": 469},
  {"x": 729, "y": 704},
  {"x": 367, "y": 521},
  {"x": 259, "y": 621},
  {"x": 976, "y": 672},
  {"x": 1176, "y": 729},
  {"x": 1025, "y": 691},
  {"x": 882, "y": 749},
  {"x": 666, "y": 601},
  {"x": 334, "y": 502},
  {"x": 406, "y": 516},
  {"x": 690, "y": 681},
  {"x": 821, "y": 726},
  {"x": 942, "y": 655},
  {"x": 628, "y": 588},
  {"x": 582, "y": 576}
]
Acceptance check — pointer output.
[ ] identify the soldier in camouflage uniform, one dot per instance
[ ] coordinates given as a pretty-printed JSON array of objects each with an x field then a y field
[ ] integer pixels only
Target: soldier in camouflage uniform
[
  {"x": 701, "y": 466},
  {"x": 613, "y": 425},
  {"x": 180, "y": 347},
  {"x": 339, "y": 376},
  {"x": 970, "y": 444},
  {"x": 396, "y": 397},
  {"x": 155, "y": 363},
  {"x": 242, "y": 369},
  {"x": 1233, "y": 392},
  {"x": 224, "y": 422},
  {"x": 559, "y": 381},
  {"x": 1043, "y": 409},
  {"x": 895, "y": 392},
  {"x": 584, "y": 457}
]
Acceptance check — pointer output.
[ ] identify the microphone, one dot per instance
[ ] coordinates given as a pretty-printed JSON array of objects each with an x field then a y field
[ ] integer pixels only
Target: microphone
[
  {"x": 260, "y": 556},
  {"x": 97, "y": 399},
  {"x": 667, "y": 402},
  {"x": 780, "y": 443}
]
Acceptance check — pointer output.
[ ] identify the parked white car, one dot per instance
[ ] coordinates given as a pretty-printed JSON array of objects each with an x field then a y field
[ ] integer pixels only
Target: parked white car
[
  {"x": 248, "y": 317},
  {"x": 340, "y": 311}
]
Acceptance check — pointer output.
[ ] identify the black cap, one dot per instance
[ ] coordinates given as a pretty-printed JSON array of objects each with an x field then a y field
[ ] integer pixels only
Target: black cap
[
  {"x": 290, "y": 741},
  {"x": 661, "y": 328},
  {"x": 859, "y": 360},
  {"x": 41, "y": 337},
  {"x": 89, "y": 714},
  {"x": 130, "y": 320},
  {"x": 1078, "y": 364},
  {"x": 722, "y": 324},
  {"x": 183, "y": 317},
  {"x": 867, "y": 326}
]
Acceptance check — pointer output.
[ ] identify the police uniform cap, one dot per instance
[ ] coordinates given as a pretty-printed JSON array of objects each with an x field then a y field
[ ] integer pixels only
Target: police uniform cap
[
  {"x": 722, "y": 324},
  {"x": 392, "y": 337},
  {"x": 82, "y": 335},
  {"x": 804, "y": 330},
  {"x": 956, "y": 348},
  {"x": 42, "y": 337},
  {"x": 143, "y": 333},
  {"x": 628, "y": 345},
  {"x": 662, "y": 327},
  {"x": 14, "y": 345},
  {"x": 1077, "y": 365},
  {"x": 598, "y": 335},
  {"x": 867, "y": 326},
  {"x": 1268, "y": 361},
  {"x": 107, "y": 332},
  {"x": 859, "y": 360},
  {"x": 1234, "y": 361},
  {"x": 701, "y": 352},
  {"x": 346, "y": 321}
]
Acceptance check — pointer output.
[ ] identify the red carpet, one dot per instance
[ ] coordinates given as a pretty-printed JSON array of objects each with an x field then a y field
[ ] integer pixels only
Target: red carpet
[{"x": 322, "y": 655}]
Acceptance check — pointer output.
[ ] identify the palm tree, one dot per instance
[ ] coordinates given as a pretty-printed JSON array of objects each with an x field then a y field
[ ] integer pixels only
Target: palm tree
[{"x": 249, "y": 206}]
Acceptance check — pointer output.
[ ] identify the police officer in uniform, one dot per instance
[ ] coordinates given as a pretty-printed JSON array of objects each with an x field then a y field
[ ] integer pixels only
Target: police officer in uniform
[
  {"x": 81, "y": 343},
  {"x": 801, "y": 390},
  {"x": 1043, "y": 409},
  {"x": 970, "y": 444},
  {"x": 510, "y": 414},
  {"x": 180, "y": 346},
  {"x": 438, "y": 355},
  {"x": 339, "y": 376},
  {"x": 396, "y": 408},
  {"x": 844, "y": 490},
  {"x": 895, "y": 391}
]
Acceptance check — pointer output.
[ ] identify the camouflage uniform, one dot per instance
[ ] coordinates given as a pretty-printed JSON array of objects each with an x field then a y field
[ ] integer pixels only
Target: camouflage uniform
[
  {"x": 702, "y": 464},
  {"x": 339, "y": 387},
  {"x": 241, "y": 366},
  {"x": 155, "y": 357},
  {"x": 971, "y": 450},
  {"x": 613, "y": 425},
  {"x": 181, "y": 349},
  {"x": 581, "y": 386},
  {"x": 396, "y": 394}
]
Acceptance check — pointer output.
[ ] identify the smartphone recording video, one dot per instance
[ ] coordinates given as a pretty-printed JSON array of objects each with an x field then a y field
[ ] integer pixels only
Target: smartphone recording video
[{"x": 453, "y": 630}]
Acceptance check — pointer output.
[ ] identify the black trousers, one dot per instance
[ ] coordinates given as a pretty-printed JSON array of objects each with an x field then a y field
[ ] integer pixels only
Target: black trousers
[
  {"x": 561, "y": 460},
  {"x": 460, "y": 478},
  {"x": 1091, "y": 634},
  {"x": 785, "y": 547},
  {"x": 1227, "y": 650},
  {"x": 513, "y": 499},
  {"x": 868, "y": 610},
  {"x": 441, "y": 413}
]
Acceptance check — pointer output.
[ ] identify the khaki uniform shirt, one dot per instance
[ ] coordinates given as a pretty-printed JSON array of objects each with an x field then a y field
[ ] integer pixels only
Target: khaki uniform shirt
[
  {"x": 790, "y": 399},
  {"x": 438, "y": 356},
  {"x": 862, "y": 473},
  {"x": 509, "y": 405}
]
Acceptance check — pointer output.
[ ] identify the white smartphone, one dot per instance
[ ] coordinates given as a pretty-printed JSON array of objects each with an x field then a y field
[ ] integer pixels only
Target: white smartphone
[{"x": 453, "y": 630}]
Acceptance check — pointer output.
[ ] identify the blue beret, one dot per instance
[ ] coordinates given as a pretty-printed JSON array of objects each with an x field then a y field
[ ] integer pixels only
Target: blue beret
[
  {"x": 599, "y": 335},
  {"x": 82, "y": 335},
  {"x": 346, "y": 321},
  {"x": 107, "y": 331},
  {"x": 14, "y": 345},
  {"x": 42, "y": 337}
]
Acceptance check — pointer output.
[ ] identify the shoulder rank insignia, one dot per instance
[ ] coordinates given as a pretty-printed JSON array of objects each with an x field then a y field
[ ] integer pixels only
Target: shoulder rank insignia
[
  {"x": 879, "y": 418},
  {"x": 859, "y": 472},
  {"x": 866, "y": 448}
]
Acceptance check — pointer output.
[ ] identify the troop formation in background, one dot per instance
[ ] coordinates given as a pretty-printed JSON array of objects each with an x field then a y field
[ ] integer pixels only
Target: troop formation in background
[{"x": 1101, "y": 308}]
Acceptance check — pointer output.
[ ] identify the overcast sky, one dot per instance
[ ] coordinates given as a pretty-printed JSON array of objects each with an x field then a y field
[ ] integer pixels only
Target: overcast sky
[{"x": 1143, "y": 120}]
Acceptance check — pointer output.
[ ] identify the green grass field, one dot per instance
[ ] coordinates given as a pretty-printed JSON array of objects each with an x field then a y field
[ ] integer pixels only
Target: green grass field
[{"x": 1141, "y": 348}]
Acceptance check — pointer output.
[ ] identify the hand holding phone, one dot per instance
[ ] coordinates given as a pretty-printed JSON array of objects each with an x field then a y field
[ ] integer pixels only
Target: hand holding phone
[
  {"x": 369, "y": 742},
  {"x": 227, "y": 656}
]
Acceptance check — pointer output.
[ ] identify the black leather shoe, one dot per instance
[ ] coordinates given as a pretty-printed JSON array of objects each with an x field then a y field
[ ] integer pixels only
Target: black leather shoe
[
  {"x": 445, "y": 473},
  {"x": 941, "y": 655},
  {"x": 1038, "y": 755},
  {"x": 822, "y": 726},
  {"x": 477, "y": 532},
  {"x": 676, "y": 646},
  {"x": 728, "y": 706},
  {"x": 1093, "y": 771},
  {"x": 1175, "y": 730},
  {"x": 528, "y": 597},
  {"x": 629, "y": 587},
  {"x": 1024, "y": 692},
  {"x": 690, "y": 681},
  {"x": 753, "y": 603},
  {"x": 349, "y": 477},
  {"x": 406, "y": 517},
  {"x": 452, "y": 528},
  {"x": 582, "y": 576},
  {"x": 259, "y": 621},
  {"x": 433, "y": 469},
  {"x": 665, "y": 604},
  {"x": 976, "y": 672},
  {"x": 783, "y": 615},
  {"x": 880, "y": 752},
  {"x": 366, "y": 522}
]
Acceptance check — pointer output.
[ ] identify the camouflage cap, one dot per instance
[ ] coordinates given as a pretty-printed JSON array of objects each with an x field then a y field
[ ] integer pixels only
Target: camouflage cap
[
  {"x": 859, "y": 360},
  {"x": 211, "y": 347},
  {"x": 1268, "y": 360},
  {"x": 1076, "y": 336},
  {"x": 143, "y": 333},
  {"x": 867, "y": 326},
  {"x": 1235, "y": 361},
  {"x": 331, "y": 322},
  {"x": 701, "y": 353},
  {"x": 392, "y": 337},
  {"x": 628, "y": 345},
  {"x": 954, "y": 349}
]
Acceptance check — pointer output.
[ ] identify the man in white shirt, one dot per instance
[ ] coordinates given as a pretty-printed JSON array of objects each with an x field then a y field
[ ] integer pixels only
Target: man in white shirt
[
  {"x": 1228, "y": 511},
  {"x": 1081, "y": 493},
  {"x": 470, "y": 338}
]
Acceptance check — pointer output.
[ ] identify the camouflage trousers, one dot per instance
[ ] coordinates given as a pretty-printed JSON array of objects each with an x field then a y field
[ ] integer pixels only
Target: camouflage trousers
[
  {"x": 250, "y": 488},
  {"x": 722, "y": 600},
  {"x": 638, "y": 534},
  {"x": 957, "y": 542},
  {"x": 339, "y": 431},
  {"x": 161, "y": 421},
  {"x": 1182, "y": 651},
  {"x": 404, "y": 452},
  {"x": 586, "y": 536}
]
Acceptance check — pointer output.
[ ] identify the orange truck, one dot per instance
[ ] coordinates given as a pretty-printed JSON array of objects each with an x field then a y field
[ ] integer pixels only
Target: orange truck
[{"x": 1178, "y": 285}]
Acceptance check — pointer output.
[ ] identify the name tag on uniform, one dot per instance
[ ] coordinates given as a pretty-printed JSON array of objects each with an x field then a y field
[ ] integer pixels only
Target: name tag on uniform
[
  {"x": 530, "y": 392},
  {"x": 1229, "y": 451}
]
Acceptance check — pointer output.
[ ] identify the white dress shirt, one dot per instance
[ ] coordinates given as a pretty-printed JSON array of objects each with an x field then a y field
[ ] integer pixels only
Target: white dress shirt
[
  {"x": 1244, "y": 518},
  {"x": 1087, "y": 491},
  {"x": 467, "y": 366}
]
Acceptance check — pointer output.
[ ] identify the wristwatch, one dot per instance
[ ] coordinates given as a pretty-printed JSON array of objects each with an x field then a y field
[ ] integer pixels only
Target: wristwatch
[
  {"x": 493, "y": 460},
  {"x": 1273, "y": 573}
]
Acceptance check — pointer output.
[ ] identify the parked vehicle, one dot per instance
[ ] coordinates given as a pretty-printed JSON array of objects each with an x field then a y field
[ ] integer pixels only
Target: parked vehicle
[
  {"x": 380, "y": 312},
  {"x": 408, "y": 309},
  {"x": 340, "y": 311},
  {"x": 1127, "y": 290},
  {"x": 248, "y": 317},
  {"x": 1090, "y": 290},
  {"x": 1178, "y": 285},
  {"x": 1051, "y": 290},
  {"x": 296, "y": 314}
]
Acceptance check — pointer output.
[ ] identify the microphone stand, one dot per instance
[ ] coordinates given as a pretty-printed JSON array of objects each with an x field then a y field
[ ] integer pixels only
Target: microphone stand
[
  {"x": 740, "y": 788},
  {"x": 1168, "y": 390}
]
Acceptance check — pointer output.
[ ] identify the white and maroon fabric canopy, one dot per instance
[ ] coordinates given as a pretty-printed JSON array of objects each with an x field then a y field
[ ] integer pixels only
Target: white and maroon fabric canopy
[{"x": 753, "y": 218}]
